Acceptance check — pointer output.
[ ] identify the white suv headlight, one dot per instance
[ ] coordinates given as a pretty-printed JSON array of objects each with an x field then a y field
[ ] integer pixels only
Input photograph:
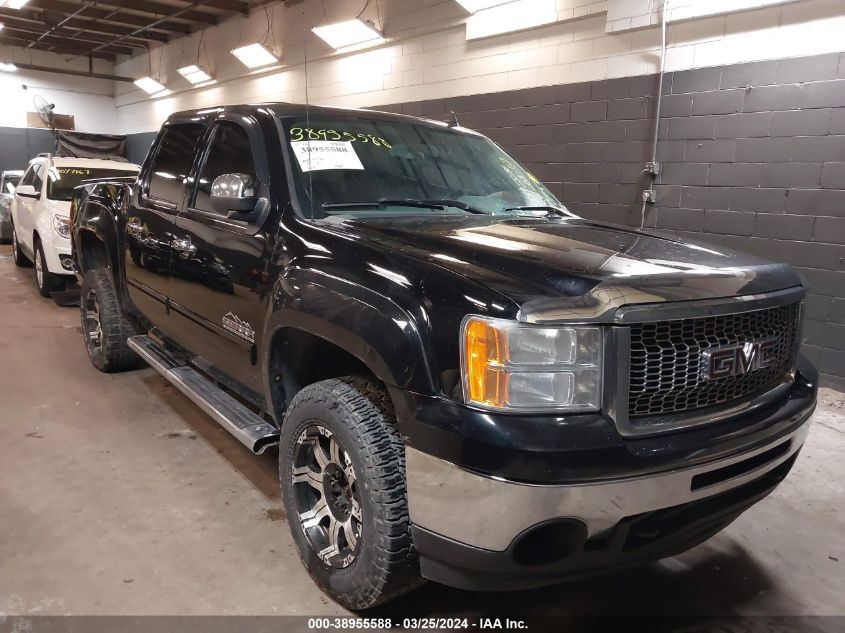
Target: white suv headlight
[
  {"x": 62, "y": 226},
  {"x": 511, "y": 366}
]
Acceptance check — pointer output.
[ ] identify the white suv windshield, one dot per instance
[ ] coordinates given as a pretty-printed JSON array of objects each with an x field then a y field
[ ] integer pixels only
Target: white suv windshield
[{"x": 62, "y": 180}]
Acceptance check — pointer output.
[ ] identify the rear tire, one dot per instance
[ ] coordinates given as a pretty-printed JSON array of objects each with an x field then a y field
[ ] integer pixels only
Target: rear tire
[
  {"x": 104, "y": 326},
  {"x": 20, "y": 259},
  {"x": 47, "y": 282},
  {"x": 342, "y": 473}
]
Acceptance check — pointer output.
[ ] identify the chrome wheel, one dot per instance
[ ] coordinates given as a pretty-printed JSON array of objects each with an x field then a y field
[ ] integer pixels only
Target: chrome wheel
[
  {"x": 92, "y": 324},
  {"x": 15, "y": 247},
  {"x": 39, "y": 268},
  {"x": 326, "y": 495}
]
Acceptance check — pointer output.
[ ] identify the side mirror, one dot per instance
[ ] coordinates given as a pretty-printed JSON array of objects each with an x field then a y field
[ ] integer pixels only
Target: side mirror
[
  {"x": 233, "y": 195},
  {"x": 27, "y": 191}
]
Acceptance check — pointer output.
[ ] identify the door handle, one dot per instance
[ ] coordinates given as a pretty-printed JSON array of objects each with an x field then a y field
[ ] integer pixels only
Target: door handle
[
  {"x": 135, "y": 229},
  {"x": 184, "y": 247}
]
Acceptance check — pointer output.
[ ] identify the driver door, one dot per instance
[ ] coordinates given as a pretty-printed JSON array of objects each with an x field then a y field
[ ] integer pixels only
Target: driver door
[{"x": 218, "y": 271}]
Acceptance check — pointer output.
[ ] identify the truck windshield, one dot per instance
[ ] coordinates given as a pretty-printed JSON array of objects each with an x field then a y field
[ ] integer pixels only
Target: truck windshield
[
  {"x": 356, "y": 166},
  {"x": 62, "y": 180}
]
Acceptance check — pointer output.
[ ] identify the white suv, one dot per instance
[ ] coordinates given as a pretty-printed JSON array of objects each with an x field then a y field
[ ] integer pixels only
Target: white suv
[{"x": 41, "y": 213}]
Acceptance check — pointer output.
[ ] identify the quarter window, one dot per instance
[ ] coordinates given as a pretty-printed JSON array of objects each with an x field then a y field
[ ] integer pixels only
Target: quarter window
[
  {"x": 228, "y": 153},
  {"x": 173, "y": 161},
  {"x": 29, "y": 176},
  {"x": 38, "y": 179}
]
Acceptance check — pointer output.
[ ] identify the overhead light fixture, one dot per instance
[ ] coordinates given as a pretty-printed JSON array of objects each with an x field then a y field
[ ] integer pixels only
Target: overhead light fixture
[
  {"x": 254, "y": 56},
  {"x": 13, "y": 4},
  {"x": 7, "y": 67},
  {"x": 149, "y": 85},
  {"x": 348, "y": 33},
  {"x": 479, "y": 5},
  {"x": 194, "y": 74},
  {"x": 2, "y": 26},
  {"x": 518, "y": 15}
]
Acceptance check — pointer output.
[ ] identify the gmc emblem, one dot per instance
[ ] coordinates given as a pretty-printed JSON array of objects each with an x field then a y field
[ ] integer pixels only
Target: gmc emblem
[{"x": 736, "y": 360}]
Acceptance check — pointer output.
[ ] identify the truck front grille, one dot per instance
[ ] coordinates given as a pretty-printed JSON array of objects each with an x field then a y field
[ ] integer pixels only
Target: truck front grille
[{"x": 666, "y": 360}]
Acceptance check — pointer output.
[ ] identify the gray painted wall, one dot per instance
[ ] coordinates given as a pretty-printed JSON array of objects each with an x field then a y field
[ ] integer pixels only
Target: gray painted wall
[
  {"x": 19, "y": 145},
  {"x": 137, "y": 146},
  {"x": 753, "y": 158}
]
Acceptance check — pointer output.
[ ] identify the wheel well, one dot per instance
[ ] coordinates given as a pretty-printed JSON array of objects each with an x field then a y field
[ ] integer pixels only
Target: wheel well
[
  {"x": 299, "y": 358},
  {"x": 92, "y": 252}
]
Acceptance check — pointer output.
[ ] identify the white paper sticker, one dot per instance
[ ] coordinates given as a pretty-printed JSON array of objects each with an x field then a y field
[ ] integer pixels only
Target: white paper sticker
[{"x": 318, "y": 155}]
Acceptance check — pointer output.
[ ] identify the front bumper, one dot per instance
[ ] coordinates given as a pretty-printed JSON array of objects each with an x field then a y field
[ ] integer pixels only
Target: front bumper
[{"x": 483, "y": 531}]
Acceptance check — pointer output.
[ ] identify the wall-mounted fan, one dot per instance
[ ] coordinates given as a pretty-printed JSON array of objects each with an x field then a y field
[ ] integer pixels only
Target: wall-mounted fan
[{"x": 45, "y": 110}]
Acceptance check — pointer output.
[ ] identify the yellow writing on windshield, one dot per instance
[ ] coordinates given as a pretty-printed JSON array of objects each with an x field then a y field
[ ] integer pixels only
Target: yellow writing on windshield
[
  {"x": 74, "y": 171},
  {"x": 322, "y": 134}
]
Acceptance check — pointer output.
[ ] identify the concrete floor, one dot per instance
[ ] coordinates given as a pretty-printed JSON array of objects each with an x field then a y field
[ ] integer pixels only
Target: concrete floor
[{"x": 119, "y": 496}]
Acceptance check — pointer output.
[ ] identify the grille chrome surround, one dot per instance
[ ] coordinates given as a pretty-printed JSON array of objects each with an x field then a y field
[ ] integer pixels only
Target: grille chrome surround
[{"x": 665, "y": 361}]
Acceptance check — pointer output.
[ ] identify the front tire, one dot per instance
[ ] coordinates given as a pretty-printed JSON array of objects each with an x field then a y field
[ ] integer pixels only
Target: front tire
[
  {"x": 342, "y": 473},
  {"x": 104, "y": 327},
  {"x": 47, "y": 282}
]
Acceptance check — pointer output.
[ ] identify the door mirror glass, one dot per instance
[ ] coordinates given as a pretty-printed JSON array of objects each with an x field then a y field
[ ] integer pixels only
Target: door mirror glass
[
  {"x": 233, "y": 195},
  {"x": 26, "y": 190}
]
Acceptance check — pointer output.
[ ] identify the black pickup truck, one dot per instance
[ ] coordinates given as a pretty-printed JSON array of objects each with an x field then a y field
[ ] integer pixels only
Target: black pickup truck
[{"x": 467, "y": 382}]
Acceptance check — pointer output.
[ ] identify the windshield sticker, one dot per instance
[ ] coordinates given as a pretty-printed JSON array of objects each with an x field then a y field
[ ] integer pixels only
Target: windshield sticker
[
  {"x": 320, "y": 155},
  {"x": 310, "y": 134}
]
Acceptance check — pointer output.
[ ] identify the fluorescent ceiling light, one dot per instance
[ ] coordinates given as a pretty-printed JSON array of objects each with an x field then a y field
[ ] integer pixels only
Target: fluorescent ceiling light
[
  {"x": 2, "y": 26},
  {"x": 513, "y": 16},
  {"x": 479, "y": 5},
  {"x": 13, "y": 4},
  {"x": 348, "y": 33},
  {"x": 7, "y": 67},
  {"x": 149, "y": 85},
  {"x": 194, "y": 74},
  {"x": 254, "y": 56}
]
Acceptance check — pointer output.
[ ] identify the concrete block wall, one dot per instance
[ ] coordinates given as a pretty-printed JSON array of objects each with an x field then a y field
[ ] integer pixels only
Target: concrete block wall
[{"x": 752, "y": 156}]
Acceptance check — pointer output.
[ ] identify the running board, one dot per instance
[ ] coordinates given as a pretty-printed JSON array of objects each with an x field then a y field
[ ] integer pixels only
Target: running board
[{"x": 250, "y": 429}]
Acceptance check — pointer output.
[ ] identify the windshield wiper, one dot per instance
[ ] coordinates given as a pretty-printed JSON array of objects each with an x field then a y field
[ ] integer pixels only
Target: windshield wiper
[
  {"x": 440, "y": 205},
  {"x": 383, "y": 202},
  {"x": 548, "y": 209}
]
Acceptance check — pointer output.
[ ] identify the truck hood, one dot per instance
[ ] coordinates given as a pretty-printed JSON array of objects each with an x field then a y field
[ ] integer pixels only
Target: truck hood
[{"x": 562, "y": 264}]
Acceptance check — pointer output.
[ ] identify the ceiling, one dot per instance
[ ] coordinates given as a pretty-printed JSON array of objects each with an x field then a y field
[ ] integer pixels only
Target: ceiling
[{"x": 107, "y": 29}]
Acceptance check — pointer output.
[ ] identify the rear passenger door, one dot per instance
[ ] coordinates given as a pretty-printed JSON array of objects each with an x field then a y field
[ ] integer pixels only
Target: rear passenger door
[
  {"x": 219, "y": 265},
  {"x": 152, "y": 215}
]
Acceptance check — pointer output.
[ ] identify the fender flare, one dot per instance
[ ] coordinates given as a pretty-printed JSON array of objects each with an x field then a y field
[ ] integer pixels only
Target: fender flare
[
  {"x": 385, "y": 337},
  {"x": 99, "y": 215}
]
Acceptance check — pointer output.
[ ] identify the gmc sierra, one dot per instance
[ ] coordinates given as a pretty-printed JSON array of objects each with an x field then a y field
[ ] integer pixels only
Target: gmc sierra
[{"x": 467, "y": 382}]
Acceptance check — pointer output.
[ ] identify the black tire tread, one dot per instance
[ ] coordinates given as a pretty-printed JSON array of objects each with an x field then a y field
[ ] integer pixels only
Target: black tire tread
[
  {"x": 371, "y": 417},
  {"x": 116, "y": 355}
]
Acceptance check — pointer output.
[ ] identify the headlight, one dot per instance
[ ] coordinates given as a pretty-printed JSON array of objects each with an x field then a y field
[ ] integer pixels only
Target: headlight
[
  {"x": 62, "y": 226},
  {"x": 516, "y": 367}
]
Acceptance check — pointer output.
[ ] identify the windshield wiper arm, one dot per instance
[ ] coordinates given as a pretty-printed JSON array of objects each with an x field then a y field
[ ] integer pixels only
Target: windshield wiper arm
[
  {"x": 546, "y": 208},
  {"x": 438, "y": 204},
  {"x": 384, "y": 202},
  {"x": 463, "y": 206}
]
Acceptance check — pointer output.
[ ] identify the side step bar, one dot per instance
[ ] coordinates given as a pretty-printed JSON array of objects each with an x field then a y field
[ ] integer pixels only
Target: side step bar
[{"x": 250, "y": 429}]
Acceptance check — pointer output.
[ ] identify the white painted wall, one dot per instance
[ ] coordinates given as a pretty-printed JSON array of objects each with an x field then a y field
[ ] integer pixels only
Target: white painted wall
[
  {"x": 90, "y": 101},
  {"x": 426, "y": 54}
]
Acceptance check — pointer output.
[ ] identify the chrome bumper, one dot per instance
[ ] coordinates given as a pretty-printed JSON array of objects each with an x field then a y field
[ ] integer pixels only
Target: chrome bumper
[{"x": 489, "y": 513}]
